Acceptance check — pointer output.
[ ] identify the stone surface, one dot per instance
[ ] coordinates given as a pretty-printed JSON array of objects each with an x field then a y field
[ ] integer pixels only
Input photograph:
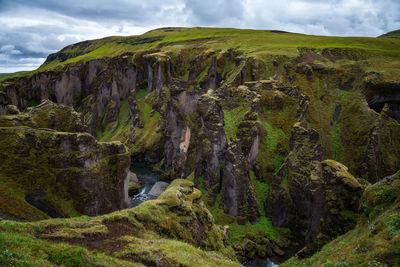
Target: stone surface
[
  {"x": 158, "y": 188},
  {"x": 74, "y": 173}
]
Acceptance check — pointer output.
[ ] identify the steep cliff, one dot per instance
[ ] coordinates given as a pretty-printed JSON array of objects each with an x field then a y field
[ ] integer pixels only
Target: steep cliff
[
  {"x": 46, "y": 170},
  {"x": 375, "y": 241}
]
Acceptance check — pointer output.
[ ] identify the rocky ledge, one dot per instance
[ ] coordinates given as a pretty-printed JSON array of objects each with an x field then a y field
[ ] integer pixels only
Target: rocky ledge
[
  {"x": 48, "y": 171},
  {"x": 174, "y": 230}
]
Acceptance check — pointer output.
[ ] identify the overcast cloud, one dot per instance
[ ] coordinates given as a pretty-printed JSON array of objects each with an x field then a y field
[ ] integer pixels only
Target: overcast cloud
[{"x": 31, "y": 29}]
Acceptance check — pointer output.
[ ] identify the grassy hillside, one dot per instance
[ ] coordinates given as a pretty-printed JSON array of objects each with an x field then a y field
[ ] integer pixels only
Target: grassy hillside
[
  {"x": 392, "y": 34},
  {"x": 155, "y": 233},
  {"x": 256, "y": 43}
]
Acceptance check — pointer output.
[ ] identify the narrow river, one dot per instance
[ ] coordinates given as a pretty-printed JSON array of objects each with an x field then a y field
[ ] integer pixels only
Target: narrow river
[
  {"x": 148, "y": 178},
  {"x": 260, "y": 263}
]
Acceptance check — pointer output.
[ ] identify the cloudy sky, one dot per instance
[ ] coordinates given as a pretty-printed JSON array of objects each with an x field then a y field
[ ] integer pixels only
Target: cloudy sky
[{"x": 31, "y": 29}]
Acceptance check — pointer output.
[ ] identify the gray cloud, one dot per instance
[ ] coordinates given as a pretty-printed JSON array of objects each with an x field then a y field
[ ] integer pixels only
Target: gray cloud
[
  {"x": 33, "y": 29},
  {"x": 215, "y": 12}
]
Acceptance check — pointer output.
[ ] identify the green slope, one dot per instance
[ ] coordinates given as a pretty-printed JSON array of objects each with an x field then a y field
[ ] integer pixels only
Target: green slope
[{"x": 256, "y": 43}]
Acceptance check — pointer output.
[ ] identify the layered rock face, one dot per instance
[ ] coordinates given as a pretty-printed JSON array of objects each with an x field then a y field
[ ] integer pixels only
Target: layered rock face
[
  {"x": 320, "y": 199},
  {"x": 59, "y": 173},
  {"x": 375, "y": 239}
]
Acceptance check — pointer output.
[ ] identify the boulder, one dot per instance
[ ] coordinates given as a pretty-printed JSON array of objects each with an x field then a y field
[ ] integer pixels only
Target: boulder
[
  {"x": 158, "y": 188},
  {"x": 12, "y": 110},
  {"x": 134, "y": 184}
]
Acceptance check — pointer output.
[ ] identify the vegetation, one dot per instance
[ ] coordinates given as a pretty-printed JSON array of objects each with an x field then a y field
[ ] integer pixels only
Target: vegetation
[
  {"x": 392, "y": 34},
  {"x": 376, "y": 239},
  {"x": 273, "y": 87},
  {"x": 125, "y": 238}
]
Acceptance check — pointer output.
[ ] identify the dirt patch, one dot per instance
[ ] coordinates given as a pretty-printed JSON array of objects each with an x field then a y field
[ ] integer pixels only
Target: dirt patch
[{"x": 109, "y": 242}]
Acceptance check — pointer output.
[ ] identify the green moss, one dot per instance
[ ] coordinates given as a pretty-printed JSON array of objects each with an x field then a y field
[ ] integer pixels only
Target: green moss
[
  {"x": 263, "y": 228},
  {"x": 116, "y": 131},
  {"x": 155, "y": 232},
  {"x": 174, "y": 253},
  {"x": 374, "y": 241},
  {"x": 261, "y": 190},
  {"x": 335, "y": 135},
  {"x": 24, "y": 250},
  {"x": 232, "y": 119},
  {"x": 395, "y": 229},
  {"x": 142, "y": 93}
]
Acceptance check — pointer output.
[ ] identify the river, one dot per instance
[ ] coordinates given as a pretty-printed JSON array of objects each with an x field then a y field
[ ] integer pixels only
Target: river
[
  {"x": 148, "y": 178},
  {"x": 260, "y": 263}
]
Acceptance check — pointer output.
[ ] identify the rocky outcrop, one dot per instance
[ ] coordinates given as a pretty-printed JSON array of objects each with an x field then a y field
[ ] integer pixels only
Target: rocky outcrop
[
  {"x": 91, "y": 86},
  {"x": 239, "y": 198},
  {"x": 288, "y": 188},
  {"x": 174, "y": 230},
  {"x": 58, "y": 117},
  {"x": 318, "y": 199},
  {"x": 212, "y": 143},
  {"x": 375, "y": 238},
  {"x": 71, "y": 173}
]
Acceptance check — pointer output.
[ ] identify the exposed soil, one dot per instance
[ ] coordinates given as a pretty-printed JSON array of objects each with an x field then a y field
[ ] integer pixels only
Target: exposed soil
[{"x": 109, "y": 243}]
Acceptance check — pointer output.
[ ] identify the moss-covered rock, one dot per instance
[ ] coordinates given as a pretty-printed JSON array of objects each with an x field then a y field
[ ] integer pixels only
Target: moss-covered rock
[
  {"x": 58, "y": 173},
  {"x": 174, "y": 230},
  {"x": 151, "y": 93},
  {"x": 319, "y": 199},
  {"x": 375, "y": 239}
]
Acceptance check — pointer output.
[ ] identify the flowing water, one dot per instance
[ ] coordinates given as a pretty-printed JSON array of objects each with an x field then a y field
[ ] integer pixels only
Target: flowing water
[
  {"x": 260, "y": 263},
  {"x": 148, "y": 178}
]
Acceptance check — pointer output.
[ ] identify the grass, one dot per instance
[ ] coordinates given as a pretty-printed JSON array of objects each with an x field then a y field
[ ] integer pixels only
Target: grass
[
  {"x": 261, "y": 190},
  {"x": 155, "y": 233},
  {"x": 232, "y": 119},
  {"x": 254, "y": 43},
  {"x": 141, "y": 93},
  {"x": 272, "y": 136},
  {"x": 263, "y": 228},
  {"x": 122, "y": 124},
  {"x": 24, "y": 250},
  {"x": 5, "y": 76}
]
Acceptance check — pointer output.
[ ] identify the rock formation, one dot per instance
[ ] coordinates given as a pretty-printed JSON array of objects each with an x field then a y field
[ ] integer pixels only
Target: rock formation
[
  {"x": 267, "y": 134},
  {"x": 44, "y": 157}
]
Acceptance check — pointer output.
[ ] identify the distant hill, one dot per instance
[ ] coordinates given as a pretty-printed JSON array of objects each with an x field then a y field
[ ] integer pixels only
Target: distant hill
[{"x": 392, "y": 34}]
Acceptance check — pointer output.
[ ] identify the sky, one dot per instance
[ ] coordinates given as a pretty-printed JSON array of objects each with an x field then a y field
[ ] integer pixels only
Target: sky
[{"x": 32, "y": 29}]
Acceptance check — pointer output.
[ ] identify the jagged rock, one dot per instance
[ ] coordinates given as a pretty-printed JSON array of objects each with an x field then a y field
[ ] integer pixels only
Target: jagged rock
[
  {"x": 239, "y": 198},
  {"x": 12, "y": 110},
  {"x": 111, "y": 115},
  {"x": 134, "y": 184},
  {"x": 57, "y": 117},
  {"x": 178, "y": 140},
  {"x": 134, "y": 110},
  {"x": 290, "y": 181},
  {"x": 319, "y": 199},
  {"x": 65, "y": 166},
  {"x": 212, "y": 142}
]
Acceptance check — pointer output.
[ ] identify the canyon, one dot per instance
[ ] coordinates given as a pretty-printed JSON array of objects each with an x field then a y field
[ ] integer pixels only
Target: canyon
[{"x": 272, "y": 148}]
